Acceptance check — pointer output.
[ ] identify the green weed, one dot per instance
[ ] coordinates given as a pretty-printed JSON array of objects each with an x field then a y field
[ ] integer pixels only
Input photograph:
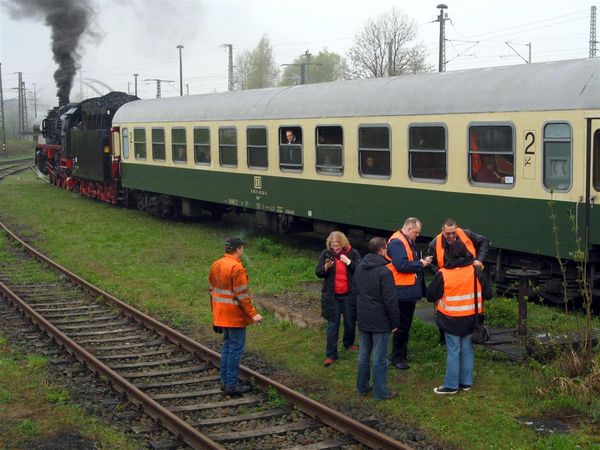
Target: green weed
[
  {"x": 266, "y": 245},
  {"x": 36, "y": 362},
  {"x": 5, "y": 396},
  {"x": 274, "y": 398},
  {"x": 57, "y": 396},
  {"x": 28, "y": 428}
]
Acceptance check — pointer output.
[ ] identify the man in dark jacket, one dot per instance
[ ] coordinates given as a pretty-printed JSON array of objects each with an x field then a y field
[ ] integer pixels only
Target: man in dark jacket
[
  {"x": 377, "y": 314},
  {"x": 455, "y": 243}
]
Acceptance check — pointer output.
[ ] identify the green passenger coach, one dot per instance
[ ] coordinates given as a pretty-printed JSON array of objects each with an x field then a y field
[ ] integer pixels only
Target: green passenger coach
[{"x": 510, "y": 152}]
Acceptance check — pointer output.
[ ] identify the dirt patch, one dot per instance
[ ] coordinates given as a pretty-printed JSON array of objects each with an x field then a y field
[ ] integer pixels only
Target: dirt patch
[
  {"x": 545, "y": 425},
  {"x": 301, "y": 309},
  {"x": 61, "y": 441}
]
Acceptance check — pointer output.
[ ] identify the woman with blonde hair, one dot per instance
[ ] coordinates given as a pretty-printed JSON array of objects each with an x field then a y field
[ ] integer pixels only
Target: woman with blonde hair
[{"x": 336, "y": 267}]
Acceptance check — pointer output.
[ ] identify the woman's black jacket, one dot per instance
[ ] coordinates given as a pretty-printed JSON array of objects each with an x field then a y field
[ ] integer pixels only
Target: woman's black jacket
[{"x": 328, "y": 292}]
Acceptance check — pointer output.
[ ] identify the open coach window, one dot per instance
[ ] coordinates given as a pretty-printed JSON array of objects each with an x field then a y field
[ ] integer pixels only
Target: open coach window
[
  {"x": 557, "y": 156},
  {"x": 374, "y": 151},
  {"x": 427, "y": 153},
  {"x": 256, "y": 139},
  {"x": 491, "y": 154},
  {"x": 202, "y": 145},
  {"x": 290, "y": 149},
  {"x": 329, "y": 145},
  {"x": 228, "y": 147}
]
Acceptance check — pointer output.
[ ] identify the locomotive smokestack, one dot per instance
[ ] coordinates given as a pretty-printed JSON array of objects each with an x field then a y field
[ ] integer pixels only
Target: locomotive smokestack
[{"x": 68, "y": 20}]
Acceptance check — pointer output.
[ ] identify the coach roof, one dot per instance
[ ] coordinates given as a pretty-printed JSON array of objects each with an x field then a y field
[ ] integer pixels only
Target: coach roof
[{"x": 561, "y": 85}]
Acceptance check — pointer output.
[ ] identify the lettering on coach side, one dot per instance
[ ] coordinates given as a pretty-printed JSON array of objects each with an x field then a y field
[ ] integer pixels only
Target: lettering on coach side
[
  {"x": 529, "y": 153},
  {"x": 257, "y": 189}
]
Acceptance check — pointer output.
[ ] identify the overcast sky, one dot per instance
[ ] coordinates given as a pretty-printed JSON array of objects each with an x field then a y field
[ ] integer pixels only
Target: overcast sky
[{"x": 140, "y": 36}]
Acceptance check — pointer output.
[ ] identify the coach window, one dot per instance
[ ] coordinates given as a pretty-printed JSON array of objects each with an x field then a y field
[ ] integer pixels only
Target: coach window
[
  {"x": 179, "y": 145},
  {"x": 557, "y": 156},
  {"x": 202, "y": 145},
  {"x": 158, "y": 144},
  {"x": 125, "y": 143},
  {"x": 139, "y": 143},
  {"x": 491, "y": 154},
  {"x": 290, "y": 149},
  {"x": 330, "y": 146},
  {"x": 427, "y": 153},
  {"x": 256, "y": 139},
  {"x": 374, "y": 151},
  {"x": 228, "y": 147}
]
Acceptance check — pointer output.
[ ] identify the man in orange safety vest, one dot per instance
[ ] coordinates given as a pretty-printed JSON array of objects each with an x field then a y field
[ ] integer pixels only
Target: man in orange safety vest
[
  {"x": 232, "y": 312},
  {"x": 454, "y": 243}
]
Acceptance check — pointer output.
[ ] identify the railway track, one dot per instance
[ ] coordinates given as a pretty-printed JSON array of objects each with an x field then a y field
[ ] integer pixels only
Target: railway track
[
  {"x": 171, "y": 377},
  {"x": 12, "y": 167},
  {"x": 15, "y": 161}
]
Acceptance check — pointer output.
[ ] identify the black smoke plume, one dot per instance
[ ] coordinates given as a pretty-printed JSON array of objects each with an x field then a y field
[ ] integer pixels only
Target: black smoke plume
[{"x": 69, "y": 20}]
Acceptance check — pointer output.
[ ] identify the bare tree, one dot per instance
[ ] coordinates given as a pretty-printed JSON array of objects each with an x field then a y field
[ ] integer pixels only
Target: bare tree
[
  {"x": 255, "y": 69},
  {"x": 383, "y": 47}
]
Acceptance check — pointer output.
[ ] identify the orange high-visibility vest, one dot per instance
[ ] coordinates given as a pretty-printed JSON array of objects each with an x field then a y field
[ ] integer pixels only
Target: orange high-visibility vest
[
  {"x": 439, "y": 246},
  {"x": 459, "y": 293},
  {"x": 401, "y": 278},
  {"x": 230, "y": 293}
]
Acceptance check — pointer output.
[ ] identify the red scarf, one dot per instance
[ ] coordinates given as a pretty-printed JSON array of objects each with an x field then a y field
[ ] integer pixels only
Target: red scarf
[{"x": 341, "y": 285}]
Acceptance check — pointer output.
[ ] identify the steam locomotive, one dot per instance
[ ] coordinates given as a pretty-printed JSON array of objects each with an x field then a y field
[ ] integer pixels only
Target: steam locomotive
[{"x": 77, "y": 154}]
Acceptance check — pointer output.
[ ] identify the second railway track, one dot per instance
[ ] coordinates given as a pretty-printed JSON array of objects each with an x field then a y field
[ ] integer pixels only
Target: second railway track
[
  {"x": 172, "y": 377},
  {"x": 12, "y": 167}
]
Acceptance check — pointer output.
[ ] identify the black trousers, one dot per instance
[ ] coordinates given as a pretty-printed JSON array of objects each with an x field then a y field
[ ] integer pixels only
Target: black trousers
[{"x": 400, "y": 338}]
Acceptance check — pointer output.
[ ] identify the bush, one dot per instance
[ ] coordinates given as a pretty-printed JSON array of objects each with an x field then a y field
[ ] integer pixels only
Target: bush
[
  {"x": 265, "y": 245},
  {"x": 502, "y": 312}
]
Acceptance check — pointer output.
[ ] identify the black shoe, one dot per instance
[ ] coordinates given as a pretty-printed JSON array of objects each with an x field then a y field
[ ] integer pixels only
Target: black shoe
[
  {"x": 390, "y": 395},
  {"x": 402, "y": 365},
  {"x": 443, "y": 390},
  {"x": 236, "y": 391},
  {"x": 369, "y": 389},
  {"x": 464, "y": 387}
]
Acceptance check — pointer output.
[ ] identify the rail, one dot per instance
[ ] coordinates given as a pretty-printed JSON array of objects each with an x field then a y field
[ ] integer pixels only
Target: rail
[{"x": 362, "y": 433}]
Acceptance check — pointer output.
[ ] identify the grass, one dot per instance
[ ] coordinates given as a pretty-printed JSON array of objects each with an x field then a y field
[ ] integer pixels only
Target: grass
[
  {"x": 162, "y": 268},
  {"x": 17, "y": 149},
  {"x": 32, "y": 410}
]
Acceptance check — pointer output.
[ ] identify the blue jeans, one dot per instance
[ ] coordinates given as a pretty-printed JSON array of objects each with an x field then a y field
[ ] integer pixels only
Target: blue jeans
[
  {"x": 232, "y": 349},
  {"x": 341, "y": 306},
  {"x": 459, "y": 362},
  {"x": 377, "y": 344}
]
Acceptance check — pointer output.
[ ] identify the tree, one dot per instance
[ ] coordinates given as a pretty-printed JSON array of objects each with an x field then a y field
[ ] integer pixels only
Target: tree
[
  {"x": 383, "y": 47},
  {"x": 326, "y": 66},
  {"x": 255, "y": 69}
]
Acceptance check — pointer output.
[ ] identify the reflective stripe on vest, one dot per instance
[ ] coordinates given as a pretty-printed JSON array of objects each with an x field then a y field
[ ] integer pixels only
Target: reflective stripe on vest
[
  {"x": 439, "y": 247},
  {"x": 459, "y": 295},
  {"x": 401, "y": 278}
]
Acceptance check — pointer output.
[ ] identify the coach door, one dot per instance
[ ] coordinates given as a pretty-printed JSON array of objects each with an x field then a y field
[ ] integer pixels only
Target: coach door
[{"x": 592, "y": 186}]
